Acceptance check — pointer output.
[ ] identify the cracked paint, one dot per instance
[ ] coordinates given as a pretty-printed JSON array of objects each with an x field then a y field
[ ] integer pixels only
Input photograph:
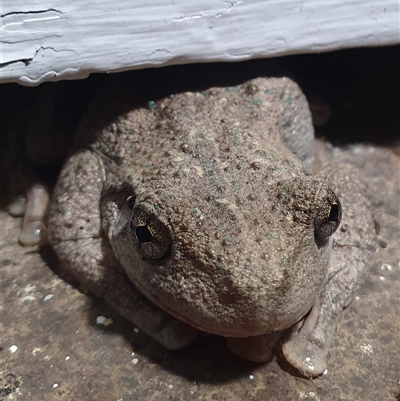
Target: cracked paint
[
  {"x": 29, "y": 12},
  {"x": 29, "y": 60},
  {"x": 23, "y": 34},
  {"x": 22, "y": 17}
]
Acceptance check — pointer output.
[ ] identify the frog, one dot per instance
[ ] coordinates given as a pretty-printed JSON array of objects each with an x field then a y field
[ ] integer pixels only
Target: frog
[{"x": 200, "y": 212}]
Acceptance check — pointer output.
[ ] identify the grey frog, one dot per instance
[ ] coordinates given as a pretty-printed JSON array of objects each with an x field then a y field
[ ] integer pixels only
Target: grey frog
[{"x": 199, "y": 212}]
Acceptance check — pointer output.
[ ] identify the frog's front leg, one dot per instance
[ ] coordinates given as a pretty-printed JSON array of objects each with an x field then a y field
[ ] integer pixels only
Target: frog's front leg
[
  {"x": 75, "y": 232},
  {"x": 353, "y": 245}
]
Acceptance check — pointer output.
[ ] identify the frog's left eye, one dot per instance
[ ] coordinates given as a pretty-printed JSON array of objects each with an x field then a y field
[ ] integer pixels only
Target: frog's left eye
[
  {"x": 329, "y": 216},
  {"x": 150, "y": 236}
]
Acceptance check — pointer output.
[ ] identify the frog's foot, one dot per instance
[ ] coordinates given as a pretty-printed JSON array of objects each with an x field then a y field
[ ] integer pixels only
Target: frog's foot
[
  {"x": 177, "y": 335},
  {"x": 308, "y": 348},
  {"x": 255, "y": 349},
  {"x": 170, "y": 332},
  {"x": 98, "y": 271},
  {"x": 307, "y": 356},
  {"x": 33, "y": 208}
]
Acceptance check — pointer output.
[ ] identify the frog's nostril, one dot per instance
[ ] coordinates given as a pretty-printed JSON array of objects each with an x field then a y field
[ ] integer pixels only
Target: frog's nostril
[{"x": 143, "y": 234}]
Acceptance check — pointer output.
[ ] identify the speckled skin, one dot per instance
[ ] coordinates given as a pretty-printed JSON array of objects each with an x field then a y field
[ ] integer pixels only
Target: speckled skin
[{"x": 195, "y": 213}]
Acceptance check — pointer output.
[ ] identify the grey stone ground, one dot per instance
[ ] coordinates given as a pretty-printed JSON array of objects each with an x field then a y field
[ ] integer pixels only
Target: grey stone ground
[{"x": 52, "y": 348}]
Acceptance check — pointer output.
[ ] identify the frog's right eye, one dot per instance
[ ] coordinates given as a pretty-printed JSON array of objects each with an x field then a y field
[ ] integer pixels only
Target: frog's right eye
[
  {"x": 150, "y": 236},
  {"x": 329, "y": 217}
]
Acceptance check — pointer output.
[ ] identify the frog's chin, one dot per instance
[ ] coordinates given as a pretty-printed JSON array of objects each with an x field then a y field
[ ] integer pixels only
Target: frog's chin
[
  {"x": 217, "y": 326},
  {"x": 239, "y": 331}
]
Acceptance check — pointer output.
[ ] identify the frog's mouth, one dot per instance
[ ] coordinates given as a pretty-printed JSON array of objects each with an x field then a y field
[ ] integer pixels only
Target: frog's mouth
[
  {"x": 249, "y": 329},
  {"x": 234, "y": 315}
]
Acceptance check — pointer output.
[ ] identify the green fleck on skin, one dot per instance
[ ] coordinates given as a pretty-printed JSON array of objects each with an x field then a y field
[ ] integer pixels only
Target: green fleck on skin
[{"x": 151, "y": 104}]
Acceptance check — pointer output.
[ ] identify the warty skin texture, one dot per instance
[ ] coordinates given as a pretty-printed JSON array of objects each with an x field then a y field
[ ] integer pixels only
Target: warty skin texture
[{"x": 202, "y": 204}]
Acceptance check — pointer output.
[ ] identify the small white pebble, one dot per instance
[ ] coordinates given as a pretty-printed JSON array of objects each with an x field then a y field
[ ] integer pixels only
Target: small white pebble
[
  {"x": 29, "y": 288},
  {"x": 35, "y": 351},
  {"x": 325, "y": 372},
  {"x": 103, "y": 321},
  {"x": 132, "y": 354},
  {"x": 366, "y": 349},
  {"x": 48, "y": 297},
  {"x": 170, "y": 385},
  {"x": 136, "y": 330},
  {"x": 67, "y": 358},
  {"x": 135, "y": 361},
  {"x": 55, "y": 385},
  {"x": 381, "y": 278},
  {"x": 357, "y": 298},
  {"x": 28, "y": 298},
  {"x": 178, "y": 255},
  {"x": 251, "y": 377},
  {"x": 13, "y": 349},
  {"x": 386, "y": 266}
]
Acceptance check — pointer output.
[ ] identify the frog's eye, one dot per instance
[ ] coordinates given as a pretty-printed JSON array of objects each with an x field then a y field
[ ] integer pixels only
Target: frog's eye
[
  {"x": 150, "y": 236},
  {"x": 328, "y": 217}
]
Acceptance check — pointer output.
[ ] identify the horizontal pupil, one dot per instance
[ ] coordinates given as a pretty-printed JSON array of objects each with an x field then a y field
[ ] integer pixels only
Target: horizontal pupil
[{"x": 143, "y": 234}]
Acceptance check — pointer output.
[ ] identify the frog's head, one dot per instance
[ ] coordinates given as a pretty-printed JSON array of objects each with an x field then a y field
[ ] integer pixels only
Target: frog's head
[{"x": 230, "y": 267}]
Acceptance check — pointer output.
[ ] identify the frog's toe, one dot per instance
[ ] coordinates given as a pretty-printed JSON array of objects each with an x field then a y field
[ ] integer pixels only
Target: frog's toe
[
  {"x": 306, "y": 356},
  {"x": 17, "y": 208},
  {"x": 33, "y": 228},
  {"x": 177, "y": 335},
  {"x": 34, "y": 233}
]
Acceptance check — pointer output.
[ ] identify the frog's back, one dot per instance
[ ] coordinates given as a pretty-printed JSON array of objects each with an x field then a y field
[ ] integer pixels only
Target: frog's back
[{"x": 130, "y": 128}]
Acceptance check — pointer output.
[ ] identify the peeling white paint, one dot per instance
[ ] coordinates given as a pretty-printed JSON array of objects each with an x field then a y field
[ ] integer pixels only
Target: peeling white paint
[{"x": 49, "y": 40}]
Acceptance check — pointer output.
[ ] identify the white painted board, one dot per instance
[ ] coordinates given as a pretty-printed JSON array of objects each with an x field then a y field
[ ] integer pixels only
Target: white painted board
[{"x": 49, "y": 40}]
